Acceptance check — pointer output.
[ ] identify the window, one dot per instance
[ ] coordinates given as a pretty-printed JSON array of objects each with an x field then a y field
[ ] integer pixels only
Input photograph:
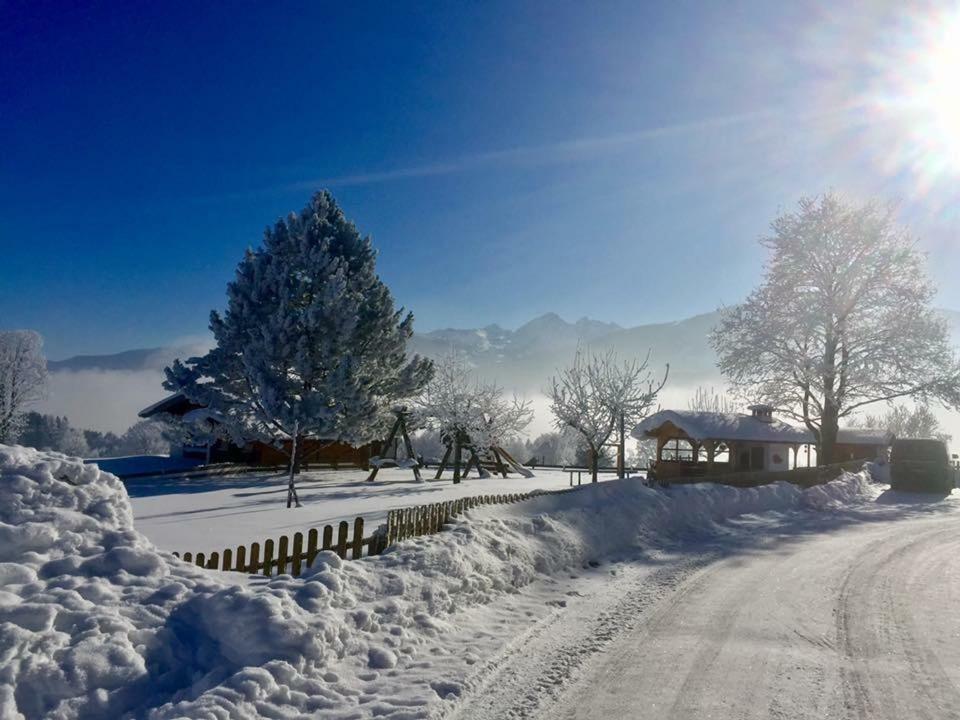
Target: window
[{"x": 677, "y": 450}]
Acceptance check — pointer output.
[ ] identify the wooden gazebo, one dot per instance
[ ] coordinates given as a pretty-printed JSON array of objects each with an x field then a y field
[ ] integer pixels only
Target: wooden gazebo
[{"x": 693, "y": 443}]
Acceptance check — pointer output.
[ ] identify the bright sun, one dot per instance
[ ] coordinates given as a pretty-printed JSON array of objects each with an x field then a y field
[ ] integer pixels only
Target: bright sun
[
  {"x": 913, "y": 101},
  {"x": 936, "y": 96}
]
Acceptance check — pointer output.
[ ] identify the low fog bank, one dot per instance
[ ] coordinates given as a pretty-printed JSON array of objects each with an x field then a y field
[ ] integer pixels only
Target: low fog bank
[{"x": 105, "y": 400}]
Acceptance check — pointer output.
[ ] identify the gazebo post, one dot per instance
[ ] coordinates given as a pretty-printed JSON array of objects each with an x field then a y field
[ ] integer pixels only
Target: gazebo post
[{"x": 711, "y": 446}]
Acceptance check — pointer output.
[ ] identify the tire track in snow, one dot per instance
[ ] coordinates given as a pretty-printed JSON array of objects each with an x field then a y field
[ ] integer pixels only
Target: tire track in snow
[
  {"x": 877, "y": 619},
  {"x": 534, "y": 671}
]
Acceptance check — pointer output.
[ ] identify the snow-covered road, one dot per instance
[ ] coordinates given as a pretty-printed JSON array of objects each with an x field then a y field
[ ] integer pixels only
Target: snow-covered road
[{"x": 841, "y": 615}]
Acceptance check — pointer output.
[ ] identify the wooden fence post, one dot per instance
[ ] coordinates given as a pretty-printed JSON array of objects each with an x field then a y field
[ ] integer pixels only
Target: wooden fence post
[
  {"x": 201, "y": 560},
  {"x": 188, "y": 557},
  {"x": 297, "y": 559},
  {"x": 342, "y": 539},
  {"x": 328, "y": 537},
  {"x": 214, "y": 561},
  {"x": 357, "y": 538},
  {"x": 227, "y": 563},
  {"x": 267, "y": 557},
  {"x": 254, "y": 558},
  {"x": 283, "y": 555},
  {"x": 241, "y": 558},
  {"x": 312, "y": 542}
]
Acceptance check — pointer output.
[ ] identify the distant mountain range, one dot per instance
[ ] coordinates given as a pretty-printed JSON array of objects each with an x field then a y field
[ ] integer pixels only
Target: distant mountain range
[
  {"x": 107, "y": 391},
  {"x": 522, "y": 359}
]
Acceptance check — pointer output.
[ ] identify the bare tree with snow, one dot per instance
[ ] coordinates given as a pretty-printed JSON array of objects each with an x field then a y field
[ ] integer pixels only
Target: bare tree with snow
[
  {"x": 310, "y": 345},
  {"x": 841, "y": 320},
  {"x": 709, "y": 400},
  {"x": 597, "y": 393},
  {"x": 23, "y": 378},
  {"x": 468, "y": 412},
  {"x": 903, "y": 421}
]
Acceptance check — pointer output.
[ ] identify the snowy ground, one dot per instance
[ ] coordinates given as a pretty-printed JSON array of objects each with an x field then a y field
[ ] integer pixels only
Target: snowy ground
[
  {"x": 212, "y": 513},
  {"x": 613, "y": 601}
]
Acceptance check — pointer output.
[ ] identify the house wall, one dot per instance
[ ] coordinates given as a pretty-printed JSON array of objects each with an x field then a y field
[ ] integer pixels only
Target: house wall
[
  {"x": 318, "y": 452},
  {"x": 777, "y": 457},
  {"x": 850, "y": 451}
]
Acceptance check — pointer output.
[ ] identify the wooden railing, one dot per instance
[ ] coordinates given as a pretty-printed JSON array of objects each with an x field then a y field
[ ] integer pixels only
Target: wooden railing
[{"x": 805, "y": 477}]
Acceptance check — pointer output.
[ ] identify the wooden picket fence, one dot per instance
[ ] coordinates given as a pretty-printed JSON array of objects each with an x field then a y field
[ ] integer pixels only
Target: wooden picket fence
[
  {"x": 293, "y": 556},
  {"x": 286, "y": 556},
  {"x": 430, "y": 519}
]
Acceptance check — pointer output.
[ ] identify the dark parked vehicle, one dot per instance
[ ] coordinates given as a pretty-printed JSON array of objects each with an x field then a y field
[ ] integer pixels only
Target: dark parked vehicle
[{"x": 921, "y": 466}]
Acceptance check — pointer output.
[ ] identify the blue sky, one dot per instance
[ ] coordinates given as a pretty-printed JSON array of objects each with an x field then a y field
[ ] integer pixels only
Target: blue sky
[{"x": 614, "y": 160}]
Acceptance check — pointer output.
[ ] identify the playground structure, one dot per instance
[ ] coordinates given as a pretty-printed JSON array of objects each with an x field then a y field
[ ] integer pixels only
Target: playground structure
[
  {"x": 494, "y": 458},
  {"x": 411, "y": 461}
]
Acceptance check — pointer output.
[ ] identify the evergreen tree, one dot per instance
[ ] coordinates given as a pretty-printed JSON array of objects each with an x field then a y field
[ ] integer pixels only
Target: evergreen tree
[{"x": 310, "y": 344}]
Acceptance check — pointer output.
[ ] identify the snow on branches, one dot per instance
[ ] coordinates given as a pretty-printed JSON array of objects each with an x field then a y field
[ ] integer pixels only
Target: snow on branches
[
  {"x": 310, "y": 344},
  {"x": 455, "y": 403},
  {"x": 597, "y": 393},
  {"x": 842, "y": 319},
  {"x": 23, "y": 378}
]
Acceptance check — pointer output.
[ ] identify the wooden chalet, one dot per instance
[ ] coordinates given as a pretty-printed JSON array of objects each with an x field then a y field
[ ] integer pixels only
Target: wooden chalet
[
  {"x": 692, "y": 443},
  {"x": 314, "y": 451}
]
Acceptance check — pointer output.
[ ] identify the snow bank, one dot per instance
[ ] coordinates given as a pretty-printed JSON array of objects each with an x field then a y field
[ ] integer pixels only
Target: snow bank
[
  {"x": 96, "y": 623},
  {"x": 847, "y": 489}
]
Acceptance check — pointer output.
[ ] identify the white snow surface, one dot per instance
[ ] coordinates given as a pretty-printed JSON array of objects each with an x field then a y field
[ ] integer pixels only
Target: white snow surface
[
  {"x": 95, "y": 622},
  {"x": 212, "y": 513}
]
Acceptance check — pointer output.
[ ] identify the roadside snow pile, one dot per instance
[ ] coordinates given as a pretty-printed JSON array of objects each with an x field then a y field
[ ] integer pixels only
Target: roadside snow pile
[
  {"x": 847, "y": 489},
  {"x": 96, "y": 623}
]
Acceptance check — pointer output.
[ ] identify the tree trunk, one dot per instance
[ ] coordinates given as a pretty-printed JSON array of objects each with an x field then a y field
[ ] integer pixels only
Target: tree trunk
[
  {"x": 829, "y": 424},
  {"x": 622, "y": 449},
  {"x": 456, "y": 458},
  {"x": 594, "y": 463},
  {"x": 829, "y": 420},
  {"x": 292, "y": 497}
]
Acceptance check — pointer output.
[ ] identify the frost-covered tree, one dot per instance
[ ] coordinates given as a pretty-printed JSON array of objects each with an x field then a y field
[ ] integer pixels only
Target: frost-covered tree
[
  {"x": 23, "y": 378},
  {"x": 468, "y": 412},
  {"x": 842, "y": 319},
  {"x": 310, "y": 345},
  {"x": 598, "y": 393},
  {"x": 709, "y": 400},
  {"x": 904, "y": 421},
  {"x": 635, "y": 394},
  {"x": 51, "y": 432},
  {"x": 147, "y": 437}
]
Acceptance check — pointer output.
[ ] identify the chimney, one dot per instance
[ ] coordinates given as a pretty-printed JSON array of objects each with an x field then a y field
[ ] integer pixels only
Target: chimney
[{"x": 763, "y": 413}]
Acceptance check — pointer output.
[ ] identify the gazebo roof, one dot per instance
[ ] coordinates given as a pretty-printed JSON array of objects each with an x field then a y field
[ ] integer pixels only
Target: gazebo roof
[{"x": 702, "y": 426}]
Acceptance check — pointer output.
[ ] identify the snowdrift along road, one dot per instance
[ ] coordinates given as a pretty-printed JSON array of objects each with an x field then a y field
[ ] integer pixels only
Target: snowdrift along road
[{"x": 97, "y": 623}]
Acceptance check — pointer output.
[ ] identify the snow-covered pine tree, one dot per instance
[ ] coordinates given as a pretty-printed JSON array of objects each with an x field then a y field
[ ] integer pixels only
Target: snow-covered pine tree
[{"x": 310, "y": 345}]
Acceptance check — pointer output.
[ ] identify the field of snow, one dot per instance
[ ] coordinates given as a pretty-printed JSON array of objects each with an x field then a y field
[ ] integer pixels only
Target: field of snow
[
  {"x": 212, "y": 513},
  {"x": 96, "y": 622}
]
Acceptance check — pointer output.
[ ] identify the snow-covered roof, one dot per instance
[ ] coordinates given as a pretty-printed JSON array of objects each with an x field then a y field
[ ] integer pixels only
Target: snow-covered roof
[
  {"x": 723, "y": 426},
  {"x": 864, "y": 436},
  {"x": 178, "y": 403}
]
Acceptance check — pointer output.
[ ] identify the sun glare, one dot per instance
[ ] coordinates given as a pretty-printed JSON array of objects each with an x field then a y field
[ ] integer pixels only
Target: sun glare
[
  {"x": 937, "y": 95},
  {"x": 919, "y": 95}
]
